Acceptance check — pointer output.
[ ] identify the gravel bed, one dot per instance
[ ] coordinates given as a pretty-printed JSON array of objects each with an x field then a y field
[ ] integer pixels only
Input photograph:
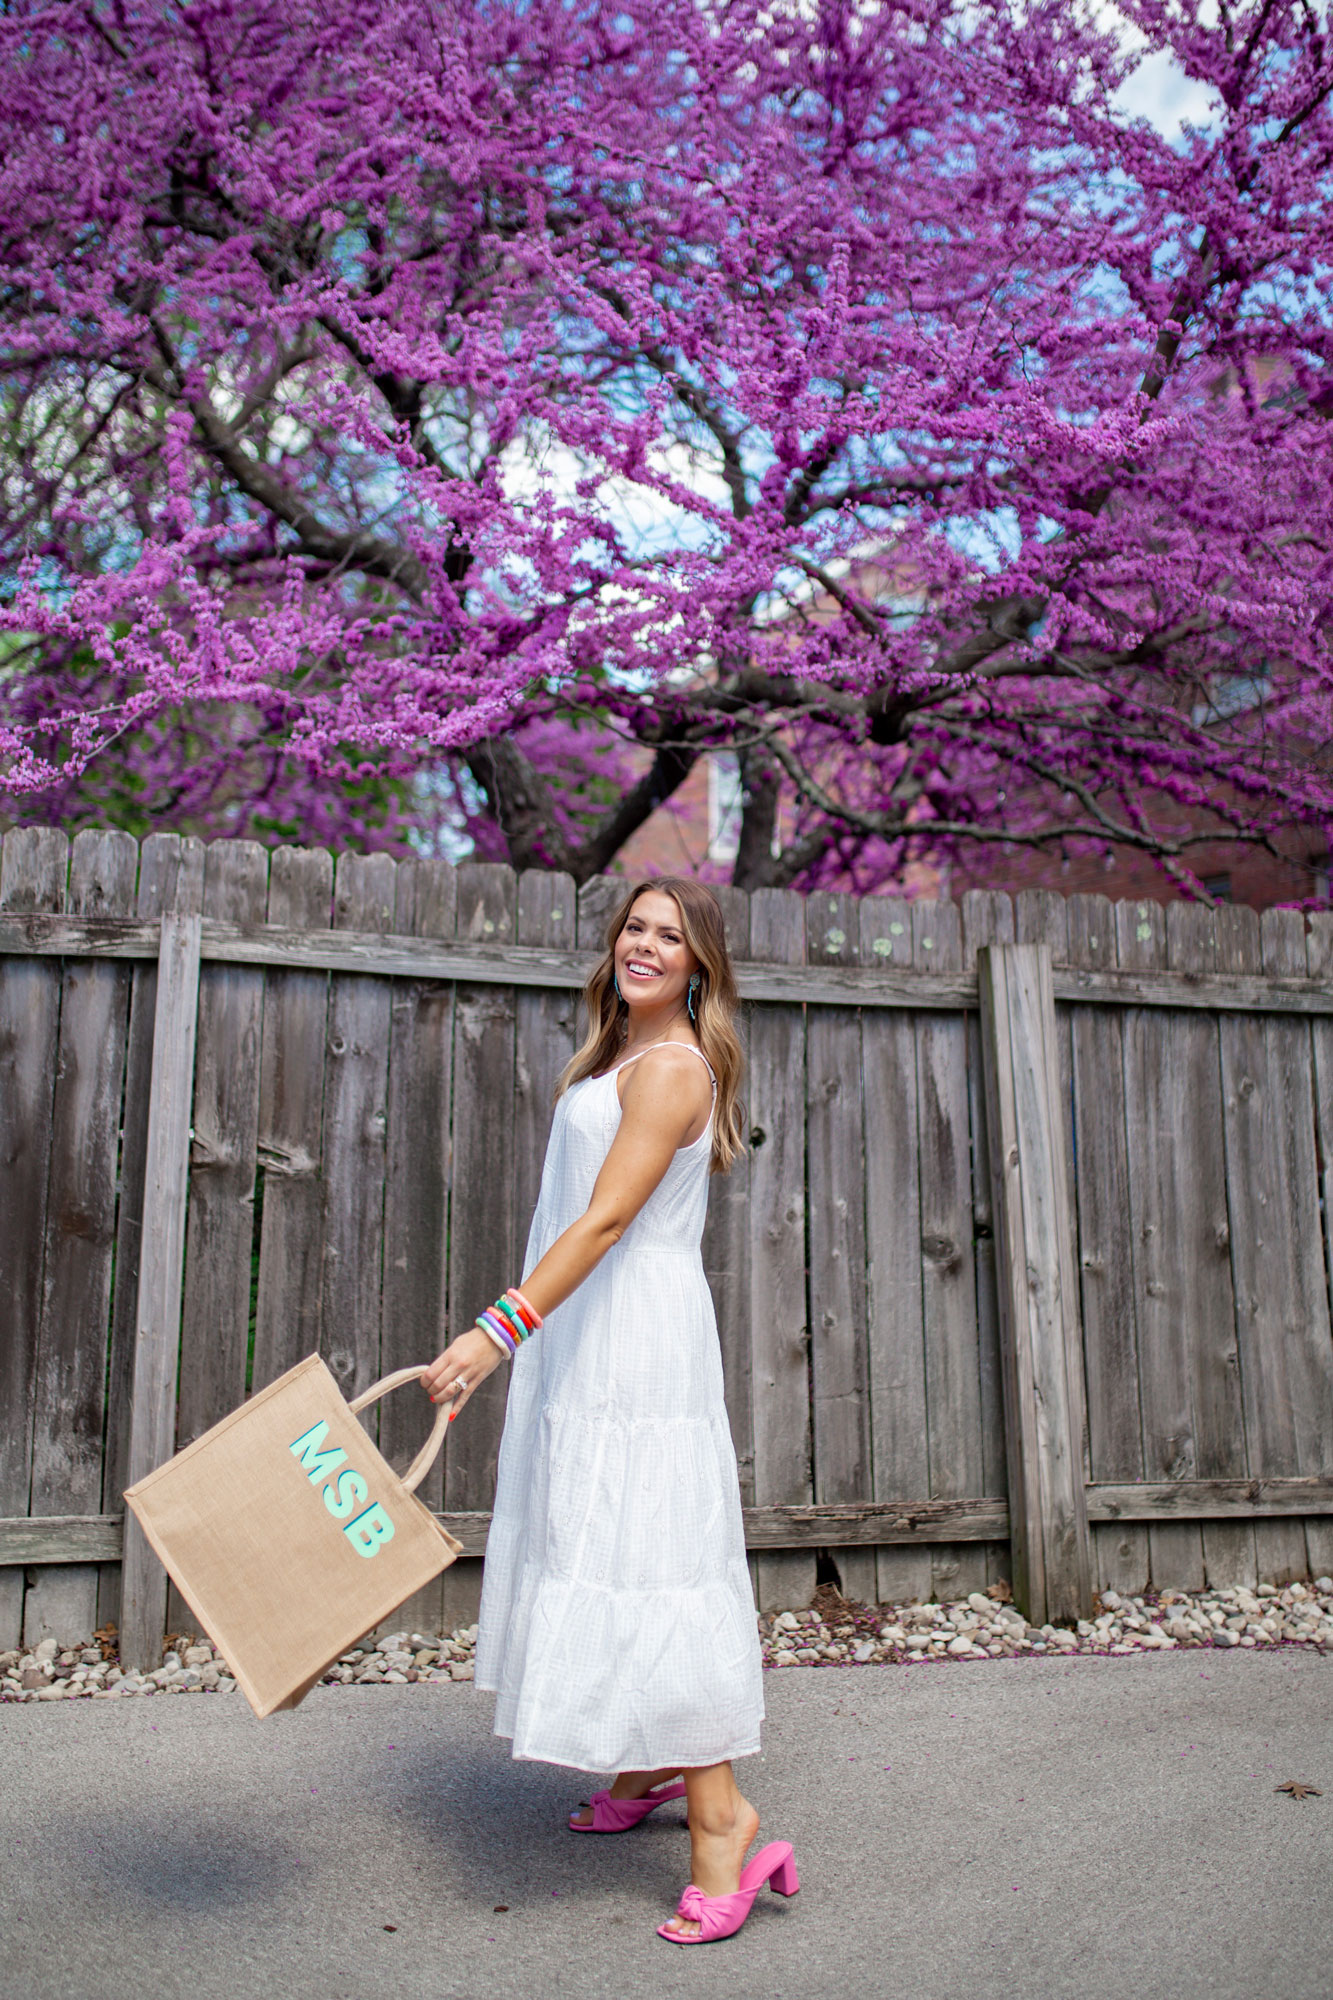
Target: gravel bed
[
  {"x": 987, "y": 1625},
  {"x": 834, "y": 1633}
]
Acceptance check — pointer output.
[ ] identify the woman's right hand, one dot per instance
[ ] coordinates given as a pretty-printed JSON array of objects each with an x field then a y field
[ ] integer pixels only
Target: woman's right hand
[{"x": 467, "y": 1360}]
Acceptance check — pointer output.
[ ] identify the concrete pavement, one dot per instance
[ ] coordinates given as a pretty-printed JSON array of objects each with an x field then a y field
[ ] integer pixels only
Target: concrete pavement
[{"x": 1089, "y": 1827}]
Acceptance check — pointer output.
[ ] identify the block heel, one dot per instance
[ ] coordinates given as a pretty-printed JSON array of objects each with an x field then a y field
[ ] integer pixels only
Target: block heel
[{"x": 784, "y": 1878}]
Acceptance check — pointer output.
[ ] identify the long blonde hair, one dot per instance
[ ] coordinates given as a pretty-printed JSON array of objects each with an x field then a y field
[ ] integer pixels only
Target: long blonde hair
[{"x": 714, "y": 1007}]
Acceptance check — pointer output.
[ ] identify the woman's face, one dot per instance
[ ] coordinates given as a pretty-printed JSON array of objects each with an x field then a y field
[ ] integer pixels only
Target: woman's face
[{"x": 653, "y": 961}]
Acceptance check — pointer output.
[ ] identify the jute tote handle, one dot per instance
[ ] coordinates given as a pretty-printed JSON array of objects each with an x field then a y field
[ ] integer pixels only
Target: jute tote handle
[{"x": 430, "y": 1450}]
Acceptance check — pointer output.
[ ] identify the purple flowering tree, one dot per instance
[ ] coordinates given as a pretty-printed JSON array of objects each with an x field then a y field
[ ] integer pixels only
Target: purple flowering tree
[{"x": 480, "y": 412}]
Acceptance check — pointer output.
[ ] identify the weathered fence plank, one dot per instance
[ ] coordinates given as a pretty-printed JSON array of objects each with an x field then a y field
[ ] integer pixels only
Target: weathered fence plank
[
  {"x": 779, "y": 1327},
  {"x": 1215, "y": 1394},
  {"x": 1177, "y": 1206},
  {"x": 171, "y": 877},
  {"x": 484, "y": 1246},
  {"x": 1319, "y": 955},
  {"x": 544, "y": 1028},
  {"x": 892, "y": 1524},
  {"x": 290, "y": 1134},
  {"x": 598, "y": 900},
  {"x": 355, "y": 1124},
  {"x": 835, "y": 1142},
  {"x": 1042, "y": 917},
  {"x": 1037, "y": 1288},
  {"x": 60, "y": 1538},
  {"x": 70, "y": 1388},
  {"x": 416, "y": 1193},
  {"x": 1105, "y": 1251},
  {"x": 385, "y": 956},
  {"x": 33, "y": 868},
  {"x": 220, "y": 1233},
  {"x": 143, "y": 1603},
  {"x": 215, "y": 1315},
  {"x": 726, "y": 1244},
  {"x": 1310, "y": 1358},
  {"x": 1195, "y": 992},
  {"x": 905, "y": 1524},
  {"x": 545, "y": 915},
  {"x": 1279, "y": 1547},
  {"x": 1282, "y": 1322},
  {"x": 948, "y": 1272},
  {"x": 987, "y": 918},
  {"x": 895, "y": 1345},
  {"x": 1212, "y": 1499}
]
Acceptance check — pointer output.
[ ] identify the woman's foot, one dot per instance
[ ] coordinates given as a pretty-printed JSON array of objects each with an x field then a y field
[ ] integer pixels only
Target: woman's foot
[
  {"x": 704, "y": 1919},
  {"x": 629, "y": 1785},
  {"x": 723, "y": 1828}
]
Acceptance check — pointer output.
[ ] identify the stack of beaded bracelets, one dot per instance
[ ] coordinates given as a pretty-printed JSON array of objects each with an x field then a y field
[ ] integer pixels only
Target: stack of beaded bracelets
[{"x": 510, "y": 1321}]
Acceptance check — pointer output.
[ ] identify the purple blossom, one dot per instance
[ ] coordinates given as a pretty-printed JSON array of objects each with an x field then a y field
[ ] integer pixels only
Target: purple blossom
[{"x": 422, "y": 418}]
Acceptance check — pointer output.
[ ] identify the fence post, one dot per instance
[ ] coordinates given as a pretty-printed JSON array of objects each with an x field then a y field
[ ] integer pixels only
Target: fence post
[
  {"x": 143, "y": 1590},
  {"x": 1039, "y": 1319}
]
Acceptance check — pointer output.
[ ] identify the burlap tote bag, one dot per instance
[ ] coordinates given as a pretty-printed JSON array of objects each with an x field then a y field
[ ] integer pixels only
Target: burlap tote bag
[{"x": 288, "y": 1535}]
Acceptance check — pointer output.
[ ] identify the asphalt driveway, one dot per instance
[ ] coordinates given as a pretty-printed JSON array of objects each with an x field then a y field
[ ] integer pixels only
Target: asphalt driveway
[{"x": 1087, "y": 1826}]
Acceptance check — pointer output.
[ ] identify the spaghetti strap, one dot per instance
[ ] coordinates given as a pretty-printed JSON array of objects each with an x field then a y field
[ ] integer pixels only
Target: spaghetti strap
[{"x": 663, "y": 1045}]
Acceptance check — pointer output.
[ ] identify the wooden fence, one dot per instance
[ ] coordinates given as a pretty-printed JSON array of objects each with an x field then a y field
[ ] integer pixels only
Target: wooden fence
[{"x": 1026, "y": 1274}]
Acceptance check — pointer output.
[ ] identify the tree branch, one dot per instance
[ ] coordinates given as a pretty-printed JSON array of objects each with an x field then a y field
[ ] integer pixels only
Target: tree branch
[
  {"x": 670, "y": 767},
  {"x": 355, "y": 549},
  {"x": 523, "y": 801},
  {"x": 1101, "y": 827}
]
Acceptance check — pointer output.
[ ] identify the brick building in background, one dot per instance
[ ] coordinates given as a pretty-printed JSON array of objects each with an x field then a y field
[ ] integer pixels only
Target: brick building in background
[
  {"x": 697, "y": 830},
  {"x": 1230, "y": 873},
  {"x": 695, "y": 833}
]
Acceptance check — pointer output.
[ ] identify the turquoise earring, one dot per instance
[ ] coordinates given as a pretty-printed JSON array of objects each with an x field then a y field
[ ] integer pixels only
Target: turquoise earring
[{"x": 691, "y": 990}]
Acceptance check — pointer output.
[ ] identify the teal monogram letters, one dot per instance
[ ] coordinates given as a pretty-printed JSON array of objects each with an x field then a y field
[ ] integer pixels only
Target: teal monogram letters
[
  {"x": 369, "y": 1530},
  {"x": 348, "y": 1490},
  {"x": 315, "y": 1461}
]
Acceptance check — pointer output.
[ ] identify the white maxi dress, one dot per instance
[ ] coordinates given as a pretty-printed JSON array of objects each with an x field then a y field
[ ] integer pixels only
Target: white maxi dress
[{"x": 618, "y": 1626}]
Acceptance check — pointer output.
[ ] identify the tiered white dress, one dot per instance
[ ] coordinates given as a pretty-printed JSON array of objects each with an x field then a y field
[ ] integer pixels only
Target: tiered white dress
[{"x": 617, "y": 1620}]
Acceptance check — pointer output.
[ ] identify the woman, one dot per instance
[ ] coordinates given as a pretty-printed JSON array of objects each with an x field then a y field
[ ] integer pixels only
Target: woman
[{"x": 617, "y": 1620}]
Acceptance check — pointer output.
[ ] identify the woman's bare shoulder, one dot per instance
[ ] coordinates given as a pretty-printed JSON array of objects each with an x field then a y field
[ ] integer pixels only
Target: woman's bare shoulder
[
  {"x": 673, "y": 1055},
  {"x": 672, "y": 1069}
]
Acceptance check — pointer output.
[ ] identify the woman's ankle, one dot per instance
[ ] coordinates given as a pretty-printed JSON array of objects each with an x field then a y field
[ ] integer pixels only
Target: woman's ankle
[{"x": 723, "y": 1819}]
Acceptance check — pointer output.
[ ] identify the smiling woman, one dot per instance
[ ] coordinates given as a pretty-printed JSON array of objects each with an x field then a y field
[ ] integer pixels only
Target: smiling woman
[
  {"x": 667, "y": 943},
  {"x": 618, "y": 1626}
]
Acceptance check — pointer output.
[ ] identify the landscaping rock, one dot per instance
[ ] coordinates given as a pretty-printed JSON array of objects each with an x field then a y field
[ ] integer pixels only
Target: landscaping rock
[{"x": 832, "y": 1633}]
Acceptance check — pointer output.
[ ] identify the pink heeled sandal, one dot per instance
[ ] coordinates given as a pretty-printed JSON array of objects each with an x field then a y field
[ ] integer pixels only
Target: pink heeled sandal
[
  {"x": 619, "y": 1815},
  {"x": 722, "y": 1916}
]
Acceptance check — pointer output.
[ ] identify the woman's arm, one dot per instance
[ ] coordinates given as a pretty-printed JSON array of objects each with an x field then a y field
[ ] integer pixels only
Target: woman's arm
[{"x": 663, "y": 1101}]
